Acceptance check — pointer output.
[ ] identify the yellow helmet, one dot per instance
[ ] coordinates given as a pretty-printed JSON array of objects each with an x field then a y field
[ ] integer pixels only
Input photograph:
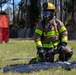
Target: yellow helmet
[{"x": 49, "y": 6}]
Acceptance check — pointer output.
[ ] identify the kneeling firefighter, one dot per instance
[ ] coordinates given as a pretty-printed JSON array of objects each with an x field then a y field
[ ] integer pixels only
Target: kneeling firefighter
[{"x": 51, "y": 36}]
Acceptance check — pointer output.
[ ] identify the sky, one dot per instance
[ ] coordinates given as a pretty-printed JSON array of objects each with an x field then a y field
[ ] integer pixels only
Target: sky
[
  {"x": 16, "y": 1},
  {"x": 5, "y": 5}
]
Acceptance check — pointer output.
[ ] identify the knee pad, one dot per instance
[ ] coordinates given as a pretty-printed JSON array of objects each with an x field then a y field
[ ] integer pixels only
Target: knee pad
[{"x": 68, "y": 55}]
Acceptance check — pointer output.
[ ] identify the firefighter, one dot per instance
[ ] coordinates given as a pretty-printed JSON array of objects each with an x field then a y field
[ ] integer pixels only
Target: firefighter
[{"x": 51, "y": 36}]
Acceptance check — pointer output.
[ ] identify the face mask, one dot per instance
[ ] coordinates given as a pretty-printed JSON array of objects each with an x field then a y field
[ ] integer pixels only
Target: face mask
[{"x": 48, "y": 15}]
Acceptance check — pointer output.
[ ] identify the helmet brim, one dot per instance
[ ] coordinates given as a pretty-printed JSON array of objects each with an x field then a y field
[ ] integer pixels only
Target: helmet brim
[
  {"x": 56, "y": 10},
  {"x": 51, "y": 10}
]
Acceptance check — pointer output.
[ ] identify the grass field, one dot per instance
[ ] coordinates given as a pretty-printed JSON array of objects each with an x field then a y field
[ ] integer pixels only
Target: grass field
[{"x": 26, "y": 49}]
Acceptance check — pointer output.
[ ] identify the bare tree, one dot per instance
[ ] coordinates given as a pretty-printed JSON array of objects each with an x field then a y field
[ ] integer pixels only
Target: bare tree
[
  {"x": 61, "y": 10},
  {"x": 3, "y": 2}
]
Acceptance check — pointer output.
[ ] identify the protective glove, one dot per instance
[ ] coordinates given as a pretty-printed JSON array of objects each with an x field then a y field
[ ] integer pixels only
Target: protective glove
[
  {"x": 62, "y": 46},
  {"x": 51, "y": 51},
  {"x": 41, "y": 52}
]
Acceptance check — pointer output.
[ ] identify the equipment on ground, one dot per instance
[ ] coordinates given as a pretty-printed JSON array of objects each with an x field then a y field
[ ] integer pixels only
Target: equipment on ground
[{"x": 34, "y": 67}]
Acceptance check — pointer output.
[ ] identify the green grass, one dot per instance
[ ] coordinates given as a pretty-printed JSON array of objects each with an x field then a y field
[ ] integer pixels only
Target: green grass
[{"x": 26, "y": 49}]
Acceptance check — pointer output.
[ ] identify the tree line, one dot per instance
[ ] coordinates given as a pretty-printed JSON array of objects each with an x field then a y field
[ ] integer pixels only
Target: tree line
[{"x": 29, "y": 12}]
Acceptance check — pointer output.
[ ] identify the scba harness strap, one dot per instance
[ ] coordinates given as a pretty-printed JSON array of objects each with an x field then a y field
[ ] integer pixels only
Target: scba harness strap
[{"x": 56, "y": 25}]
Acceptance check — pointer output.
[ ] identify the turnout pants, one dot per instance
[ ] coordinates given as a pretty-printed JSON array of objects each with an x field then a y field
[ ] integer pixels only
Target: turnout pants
[{"x": 63, "y": 56}]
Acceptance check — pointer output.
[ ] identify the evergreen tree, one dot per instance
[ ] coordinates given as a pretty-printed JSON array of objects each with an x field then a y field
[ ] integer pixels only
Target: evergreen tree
[
  {"x": 69, "y": 8},
  {"x": 33, "y": 12}
]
